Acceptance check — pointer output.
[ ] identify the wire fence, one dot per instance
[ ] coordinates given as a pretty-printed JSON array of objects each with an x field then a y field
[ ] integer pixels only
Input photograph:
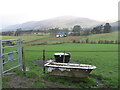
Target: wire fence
[
  {"x": 68, "y": 51},
  {"x": 75, "y": 55}
]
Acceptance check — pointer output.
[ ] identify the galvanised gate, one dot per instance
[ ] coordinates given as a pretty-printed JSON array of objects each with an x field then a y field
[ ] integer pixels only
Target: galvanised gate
[{"x": 10, "y": 55}]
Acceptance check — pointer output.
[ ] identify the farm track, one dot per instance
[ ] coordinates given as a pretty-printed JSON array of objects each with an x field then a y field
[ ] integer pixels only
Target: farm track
[
  {"x": 35, "y": 40},
  {"x": 48, "y": 38},
  {"x": 23, "y": 82},
  {"x": 70, "y": 38}
]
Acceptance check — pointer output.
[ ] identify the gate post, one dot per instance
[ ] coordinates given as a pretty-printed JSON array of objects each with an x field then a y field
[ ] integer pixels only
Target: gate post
[
  {"x": 19, "y": 52},
  {"x": 23, "y": 60},
  {"x": 1, "y": 64},
  {"x": 1, "y": 61}
]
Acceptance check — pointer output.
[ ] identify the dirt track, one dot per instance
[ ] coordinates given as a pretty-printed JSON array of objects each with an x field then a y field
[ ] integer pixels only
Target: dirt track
[{"x": 62, "y": 39}]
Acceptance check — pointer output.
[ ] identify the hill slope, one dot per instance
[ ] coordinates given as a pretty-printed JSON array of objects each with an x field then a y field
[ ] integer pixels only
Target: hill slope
[
  {"x": 106, "y": 36},
  {"x": 64, "y": 21}
]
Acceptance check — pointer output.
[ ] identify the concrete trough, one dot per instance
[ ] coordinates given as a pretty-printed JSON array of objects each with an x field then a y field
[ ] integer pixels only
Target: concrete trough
[{"x": 69, "y": 69}]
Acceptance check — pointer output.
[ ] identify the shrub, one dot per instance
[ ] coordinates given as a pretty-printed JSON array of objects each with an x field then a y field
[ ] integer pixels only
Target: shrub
[
  {"x": 74, "y": 41},
  {"x": 87, "y": 40}
]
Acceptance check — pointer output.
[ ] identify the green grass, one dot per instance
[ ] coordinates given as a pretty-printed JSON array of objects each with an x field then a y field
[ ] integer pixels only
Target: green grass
[
  {"x": 94, "y": 37},
  {"x": 105, "y": 36},
  {"x": 52, "y": 39},
  {"x": 5, "y": 83},
  {"x": 25, "y": 38},
  {"x": 75, "y": 47},
  {"x": 106, "y": 62}
]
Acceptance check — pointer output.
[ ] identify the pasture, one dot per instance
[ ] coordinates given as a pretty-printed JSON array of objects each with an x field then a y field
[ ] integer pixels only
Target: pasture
[
  {"x": 31, "y": 39},
  {"x": 103, "y": 56},
  {"x": 106, "y": 62}
]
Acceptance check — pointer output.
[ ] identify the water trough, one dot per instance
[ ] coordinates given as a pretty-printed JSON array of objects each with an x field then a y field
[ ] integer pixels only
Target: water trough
[{"x": 68, "y": 69}]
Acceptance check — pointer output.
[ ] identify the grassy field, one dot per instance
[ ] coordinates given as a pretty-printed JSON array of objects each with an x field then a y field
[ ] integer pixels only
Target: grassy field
[
  {"x": 106, "y": 62},
  {"x": 47, "y": 39},
  {"x": 25, "y": 38},
  {"x": 105, "y": 36}
]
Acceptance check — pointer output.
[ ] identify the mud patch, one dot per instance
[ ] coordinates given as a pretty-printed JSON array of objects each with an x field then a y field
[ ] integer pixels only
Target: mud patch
[
  {"x": 99, "y": 82},
  {"x": 39, "y": 44},
  {"x": 54, "y": 85},
  {"x": 20, "y": 82},
  {"x": 40, "y": 63}
]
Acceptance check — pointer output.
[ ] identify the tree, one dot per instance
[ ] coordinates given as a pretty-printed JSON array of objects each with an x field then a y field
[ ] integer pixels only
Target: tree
[
  {"x": 53, "y": 31},
  {"x": 10, "y": 33},
  {"x": 100, "y": 29},
  {"x": 18, "y": 32},
  {"x": 93, "y": 31},
  {"x": 107, "y": 28},
  {"x": 97, "y": 29},
  {"x": 86, "y": 32},
  {"x": 77, "y": 29}
]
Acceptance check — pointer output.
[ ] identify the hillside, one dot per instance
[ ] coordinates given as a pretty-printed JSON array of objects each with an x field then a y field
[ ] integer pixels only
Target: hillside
[
  {"x": 64, "y": 21},
  {"x": 105, "y": 36},
  {"x": 48, "y": 39}
]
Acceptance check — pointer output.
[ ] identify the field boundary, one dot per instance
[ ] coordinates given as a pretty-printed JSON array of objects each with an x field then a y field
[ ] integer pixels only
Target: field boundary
[{"x": 68, "y": 51}]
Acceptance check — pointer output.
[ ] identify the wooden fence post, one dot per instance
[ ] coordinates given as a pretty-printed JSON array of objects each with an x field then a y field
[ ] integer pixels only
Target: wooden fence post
[
  {"x": 23, "y": 59},
  {"x": 43, "y": 61}
]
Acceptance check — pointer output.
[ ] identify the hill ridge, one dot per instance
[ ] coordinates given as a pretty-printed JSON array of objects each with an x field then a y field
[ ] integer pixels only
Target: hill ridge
[{"x": 63, "y": 21}]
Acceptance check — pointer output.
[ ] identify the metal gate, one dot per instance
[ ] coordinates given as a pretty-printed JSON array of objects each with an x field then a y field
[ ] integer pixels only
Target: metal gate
[{"x": 14, "y": 55}]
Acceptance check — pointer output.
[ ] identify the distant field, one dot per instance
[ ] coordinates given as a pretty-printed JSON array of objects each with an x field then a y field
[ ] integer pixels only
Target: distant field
[
  {"x": 105, "y": 36},
  {"x": 34, "y": 39},
  {"x": 25, "y": 38}
]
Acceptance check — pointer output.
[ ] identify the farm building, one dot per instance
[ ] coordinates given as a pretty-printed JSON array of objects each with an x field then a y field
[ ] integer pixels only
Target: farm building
[{"x": 61, "y": 34}]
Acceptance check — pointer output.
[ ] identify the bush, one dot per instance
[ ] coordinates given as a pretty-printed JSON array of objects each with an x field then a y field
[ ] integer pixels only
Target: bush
[
  {"x": 112, "y": 42},
  {"x": 116, "y": 42},
  {"x": 87, "y": 40},
  {"x": 74, "y": 41},
  {"x": 82, "y": 41}
]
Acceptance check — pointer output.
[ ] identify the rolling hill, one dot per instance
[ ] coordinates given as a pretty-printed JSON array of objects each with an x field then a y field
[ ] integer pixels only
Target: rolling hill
[{"x": 64, "y": 21}]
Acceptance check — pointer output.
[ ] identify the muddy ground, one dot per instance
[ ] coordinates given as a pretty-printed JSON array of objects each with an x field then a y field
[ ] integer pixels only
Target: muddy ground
[{"x": 24, "y": 82}]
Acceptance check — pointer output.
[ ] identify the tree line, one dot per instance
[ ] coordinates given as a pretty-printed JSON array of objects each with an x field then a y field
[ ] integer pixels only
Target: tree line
[
  {"x": 97, "y": 42},
  {"x": 77, "y": 30},
  {"x": 19, "y": 32},
  {"x": 102, "y": 29}
]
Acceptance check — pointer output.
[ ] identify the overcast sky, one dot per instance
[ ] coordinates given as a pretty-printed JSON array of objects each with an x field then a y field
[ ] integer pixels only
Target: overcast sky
[{"x": 19, "y": 11}]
